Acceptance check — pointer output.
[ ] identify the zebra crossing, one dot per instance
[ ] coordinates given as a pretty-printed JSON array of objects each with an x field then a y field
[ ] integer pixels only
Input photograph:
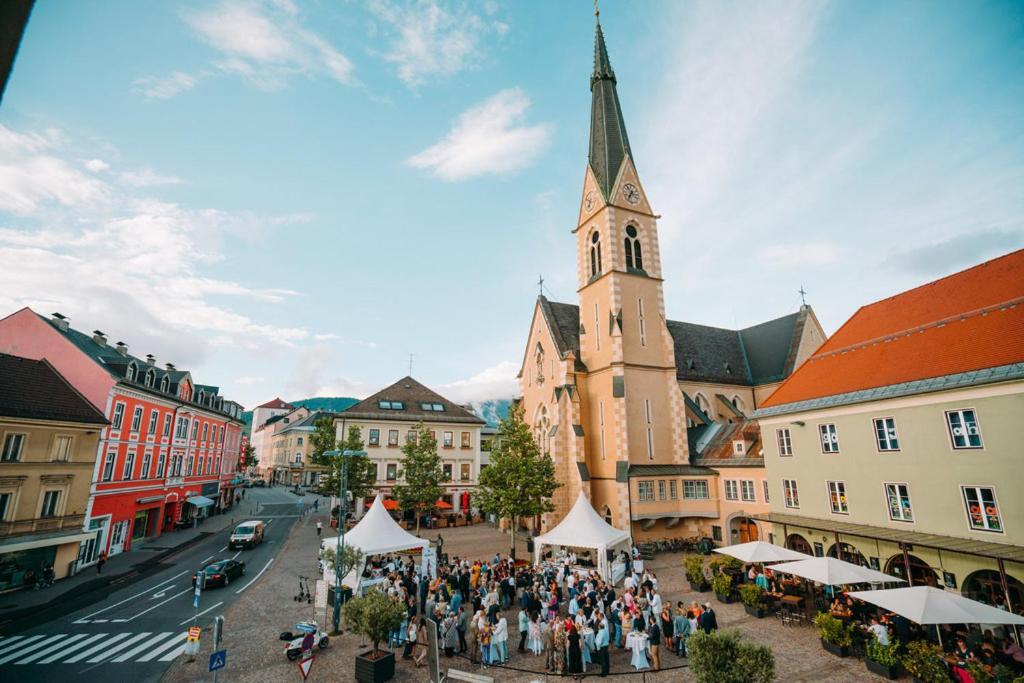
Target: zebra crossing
[{"x": 91, "y": 648}]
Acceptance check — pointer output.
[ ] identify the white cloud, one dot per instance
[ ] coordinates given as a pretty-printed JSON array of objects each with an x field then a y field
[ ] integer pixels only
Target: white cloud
[
  {"x": 164, "y": 87},
  {"x": 97, "y": 165},
  {"x": 250, "y": 381},
  {"x": 30, "y": 174},
  {"x": 804, "y": 255},
  {"x": 147, "y": 177},
  {"x": 315, "y": 375},
  {"x": 489, "y": 138},
  {"x": 497, "y": 381},
  {"x": 431, "y": 41}
]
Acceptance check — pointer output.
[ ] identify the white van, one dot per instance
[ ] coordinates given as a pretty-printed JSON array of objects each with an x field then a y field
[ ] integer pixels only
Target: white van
[{"x": 247, "y": 534}]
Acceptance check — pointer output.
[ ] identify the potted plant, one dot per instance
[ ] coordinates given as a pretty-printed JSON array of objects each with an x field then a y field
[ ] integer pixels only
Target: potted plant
[
  {"x": 834, "y": 634},
  {"x": 375, "y": 615},
  {"x": 694, "y": 565},
  {"x": 752, "y": 595},
  {"x": 721, "y": 583},
  {"x": 882, "y": 659},
  {"x": 924, "y": 662}
]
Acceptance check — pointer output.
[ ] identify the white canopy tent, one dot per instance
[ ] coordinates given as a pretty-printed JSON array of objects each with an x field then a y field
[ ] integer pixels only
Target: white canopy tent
[
  {"x": 833, "y": 572},
  {"x": 927, "y": 605},
  {"x": 759, "y": 552},
  {"x": 584, "y": 528}
]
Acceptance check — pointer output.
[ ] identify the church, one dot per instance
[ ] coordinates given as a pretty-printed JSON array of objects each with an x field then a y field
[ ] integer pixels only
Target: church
[{"x": 648, "y": 416}]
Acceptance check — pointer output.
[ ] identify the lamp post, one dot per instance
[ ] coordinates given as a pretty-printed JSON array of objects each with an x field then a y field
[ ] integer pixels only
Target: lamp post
[{"x": 342, "y": 512}]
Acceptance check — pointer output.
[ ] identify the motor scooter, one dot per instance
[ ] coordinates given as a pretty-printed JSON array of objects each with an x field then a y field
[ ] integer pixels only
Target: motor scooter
[{"x": 294, "y": 639}]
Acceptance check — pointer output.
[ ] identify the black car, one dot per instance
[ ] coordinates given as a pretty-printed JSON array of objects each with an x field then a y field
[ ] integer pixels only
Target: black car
[{"x": 221, "y": 572}]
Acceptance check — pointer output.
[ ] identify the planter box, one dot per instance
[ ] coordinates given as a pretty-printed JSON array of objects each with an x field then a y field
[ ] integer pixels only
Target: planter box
[
  {"x": 375, "y": 670},
  {"x": 758, "y": 612},
  {"x": 726, "y": 599},
  {"x": 890, "y": 672},
  {"x": 837, "y": 650},
  {"x": 700, "y": 588}
]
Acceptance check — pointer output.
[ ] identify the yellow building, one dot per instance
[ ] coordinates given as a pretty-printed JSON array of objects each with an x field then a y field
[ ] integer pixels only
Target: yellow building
[
  {"x": 898, "y": 443},
  {"x": 621, "y": 397},
  {"x": 291, "y": 449},
  {"x": 49, "y": 436}
]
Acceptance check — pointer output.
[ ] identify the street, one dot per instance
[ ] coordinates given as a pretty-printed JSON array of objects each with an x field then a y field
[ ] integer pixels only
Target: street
[{"x": 136, "y": 632}]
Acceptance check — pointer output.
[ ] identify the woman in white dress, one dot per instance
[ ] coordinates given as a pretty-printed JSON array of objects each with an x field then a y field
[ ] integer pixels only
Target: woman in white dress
[{"x": 534, "y": 639}]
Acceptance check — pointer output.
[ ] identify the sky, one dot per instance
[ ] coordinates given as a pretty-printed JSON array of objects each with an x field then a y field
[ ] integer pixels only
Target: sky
[{"x": 290, "y": 198}]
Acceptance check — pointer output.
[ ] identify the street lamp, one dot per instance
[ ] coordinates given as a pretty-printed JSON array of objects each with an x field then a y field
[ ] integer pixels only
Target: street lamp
[{"x": 342, "y": 511}]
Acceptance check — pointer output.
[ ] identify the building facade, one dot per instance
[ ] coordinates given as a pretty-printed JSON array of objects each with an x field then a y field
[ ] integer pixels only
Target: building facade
[
  {"x": 169, "y": 444},
  {"x": 292, "y": 449},
  {"x": 49, "y": 436},
  {"x": 898, "y": 443},
  {"x": 262, "y": 439}
]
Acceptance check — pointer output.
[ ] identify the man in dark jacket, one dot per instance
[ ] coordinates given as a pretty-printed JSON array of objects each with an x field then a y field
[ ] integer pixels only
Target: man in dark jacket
[{"x": 708, "y": 621}]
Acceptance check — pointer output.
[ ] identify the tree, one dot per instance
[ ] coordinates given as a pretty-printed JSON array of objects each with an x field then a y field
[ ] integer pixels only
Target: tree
[
  {"x": 520, "y": 479},
  {"x": 350, "y": 557},
  {"x": 421, "y": 470},
  {"x": 361, "y": 472},
  {"x": 723, "y": 657},
  {"x": 323, "y": 438},
  {"x": 375, "y": 615}
]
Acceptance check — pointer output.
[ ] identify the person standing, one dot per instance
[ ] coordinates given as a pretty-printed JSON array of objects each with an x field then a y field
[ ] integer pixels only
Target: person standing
[
  {"x": 100, "y": 561},
  {"x": 524, "y": 627},
  {"x": 708, "y": 619},
  {"x": 461, "y": 625},
  {"x": 575, "y": 659},
  {"x": 421, "y": 643},
  {"x": 499, "y": 644},
  {"x": 654, "y": 634},
  {"x": 319, "y": 528},
  {"x": 601, "y": 641}
]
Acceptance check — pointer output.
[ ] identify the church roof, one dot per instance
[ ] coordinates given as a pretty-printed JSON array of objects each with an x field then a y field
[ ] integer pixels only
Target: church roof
[
  {"x": 407, "y": 400},
  {"x": 564, "y": 322},
  {"x": 609, "y": 144}
]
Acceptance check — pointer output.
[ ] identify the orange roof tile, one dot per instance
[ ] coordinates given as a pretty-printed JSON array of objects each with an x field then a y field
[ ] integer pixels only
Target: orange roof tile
[{"x": 971, "y": 320}]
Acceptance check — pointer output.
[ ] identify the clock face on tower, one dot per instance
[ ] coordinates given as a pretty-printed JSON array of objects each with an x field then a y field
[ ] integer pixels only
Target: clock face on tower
[
  {"x": 590, "y": 201},
  {"x": 631, "y": 194}
]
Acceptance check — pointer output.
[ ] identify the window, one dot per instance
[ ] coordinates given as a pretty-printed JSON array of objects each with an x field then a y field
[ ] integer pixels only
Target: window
[
  {"x": 147, "y": 460},
  {"x": 449, "y": 439},
  {"x": 298, "y": 458},
  {"x": 50, "y": 500},
  {"x": 641, "y": 321},
  {"x": 963, "y": 428},
  {"x": 160, "y": 462},
  {"x": 731, "y": 489},
  {"x": 391, "y": 405},
  {"x": 695, "y": 488},
  {"x": 129, "y": 466},
  {"x": 167, "y": 424},
  {"x": 392, "y": 437},
  {"x": 737, "y": 403},
  {"x": 137, "y": 418},
  {"x": 785, "y": 443},
  {"x": 374, "y": 437},
  {"x": 790, "y": 492},
  {"x": 298, "y": 440},
  {"x": 165, "y": 384},
  {"x": 432, "y": 407},
  {"x": 465, "y": 471},
  {"x": 221, "y": 438},
  {"x": 5, "y": 503},
  {"x": 737, "y": 447},
  {"x": 650, "y": 430},
  {"x": 62, "y": 448},
  {"x": 392, "y": 472},
  {"x": 645, "y": 489},
  {"x": 764, "y": 489},
  {"x": 716, "y": 533},
  {"x": 446, "y": 470},
  {"x": 595, "y": 254},
  {"x": 206, "y": 431},
  {"x": 885, "y": 434},
  {"x": 154, "y": 417},
  {"x": 118, "y": 416},
  {"x": 13, "y": 443},
  {"x": 837, "y": 497},
  {"x": 829, "y": 438},
  {"x": 673, "y": 489},
  {"x": 982, "y": 509},
  {"x": 634, "y": 259},
  {"x": 195, "y": 429},
  {"x": 466, "y": 442},
  {"x": 181, "y": 428},
  {"x": 898, "y": 496},
  {"x": 661, "y": 489},
  {"x": 191, "y": 465},
  {"x": 108, "y": 466},
  {"x": 747, "y": 490}
]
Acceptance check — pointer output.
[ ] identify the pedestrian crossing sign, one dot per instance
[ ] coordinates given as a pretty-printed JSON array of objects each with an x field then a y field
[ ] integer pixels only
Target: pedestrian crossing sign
[{"x": 218, "y": 660}]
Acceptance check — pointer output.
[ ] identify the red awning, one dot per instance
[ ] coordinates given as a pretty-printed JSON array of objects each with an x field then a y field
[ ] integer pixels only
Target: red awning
[{"x": 442, "y": 505}]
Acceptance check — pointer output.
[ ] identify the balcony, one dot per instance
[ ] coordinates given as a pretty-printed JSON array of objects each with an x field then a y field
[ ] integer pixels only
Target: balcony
[
  {"x": 295, "y": 465},
  {"x": 43, "y": 524},
  {"x": 651, "y": 511}
]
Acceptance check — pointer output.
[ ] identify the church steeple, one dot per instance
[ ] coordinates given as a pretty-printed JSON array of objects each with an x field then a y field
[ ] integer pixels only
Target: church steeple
[{"x": 609, "y": 144}]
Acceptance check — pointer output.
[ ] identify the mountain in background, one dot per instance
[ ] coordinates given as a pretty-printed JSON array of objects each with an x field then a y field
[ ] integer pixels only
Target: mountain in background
[{"x": 493, "y": 410}]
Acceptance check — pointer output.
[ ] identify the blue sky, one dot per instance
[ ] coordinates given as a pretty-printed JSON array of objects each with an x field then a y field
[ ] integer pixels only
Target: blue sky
[{"x": 290, "y": 198}]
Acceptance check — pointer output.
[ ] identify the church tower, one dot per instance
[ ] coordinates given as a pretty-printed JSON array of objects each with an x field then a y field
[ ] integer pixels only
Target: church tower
[{"x": 634, "y": 411}]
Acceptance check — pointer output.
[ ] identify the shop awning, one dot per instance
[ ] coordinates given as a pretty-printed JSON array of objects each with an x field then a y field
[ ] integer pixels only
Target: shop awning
[
  {"x": 150, "y": 499},
  {"x": 199, "y": 501}
]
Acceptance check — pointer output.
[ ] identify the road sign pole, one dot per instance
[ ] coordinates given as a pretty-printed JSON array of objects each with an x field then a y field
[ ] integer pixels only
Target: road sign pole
[{"x": 218, "y": 636}]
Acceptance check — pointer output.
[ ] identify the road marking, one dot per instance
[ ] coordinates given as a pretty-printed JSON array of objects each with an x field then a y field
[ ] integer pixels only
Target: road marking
[
  {"x": 235, "y": 557},
  {"x": 170, "y": 643},
  {"x": 222, "y": 549},
  {"x": 117, "y": 648},
  {"x": 201, "y": 613},
  {"x": 99, "y": 621},
  {"x": 99, "y": 646},
  {"x": 145, "y": 646},
  {"x": 57, "y": 644},
  {"x": 173, "y": 653},
  {"x": 80, "y": 644},
  {"x": 9, "y": 642},
  {"x": 150, "y": 609},
  {"x": 208, "y": 559},
  {"x": 267, "y": 566},
  {"x": 86, "y": 618},
  {"x": 19, "y": 651}
]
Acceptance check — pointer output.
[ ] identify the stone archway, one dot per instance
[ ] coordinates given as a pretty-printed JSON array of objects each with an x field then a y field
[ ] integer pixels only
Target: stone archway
[
  {"x": 742, "y": 529},
  {"x": 985, "y": 586},
  {"x": 848, "y": 553},
  {"x": 921, "y": 573},
  {"x": 800, "y": 544}
]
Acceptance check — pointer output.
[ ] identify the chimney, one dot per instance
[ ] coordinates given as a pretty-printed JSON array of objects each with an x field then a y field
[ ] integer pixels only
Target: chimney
[
  {"x": 150, "y": 359},
  {"x": 99, "y": 337},
  {"x": 122, "y": 348},
  {"x": 170, "y": 367},
  {"x": 61, "y": 321}
]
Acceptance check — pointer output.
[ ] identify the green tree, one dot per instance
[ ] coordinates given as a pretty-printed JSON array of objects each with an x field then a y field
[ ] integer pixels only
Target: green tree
[
  {"x": 375, "y": 615},
  {"x": 350, "y": 557},
  {"x": 362, "y": 473},
  {"x": 422, "y": 472},
  {"x": 323, "y": 438},
  {"x": 520, "y": 479}
]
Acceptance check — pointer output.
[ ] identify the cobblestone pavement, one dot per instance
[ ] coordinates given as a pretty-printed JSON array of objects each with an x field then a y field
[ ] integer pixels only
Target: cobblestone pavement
[{"x": 255, "y": 654}]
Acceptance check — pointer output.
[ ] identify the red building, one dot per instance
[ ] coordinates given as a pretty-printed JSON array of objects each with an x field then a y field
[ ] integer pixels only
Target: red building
[{"x": 171, "y": 452}]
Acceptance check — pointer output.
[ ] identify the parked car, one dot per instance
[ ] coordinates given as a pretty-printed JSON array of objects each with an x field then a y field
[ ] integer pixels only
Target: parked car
[
  {"x": 220, "y": 573},
  {"x": 247, "y": 534},
  {"x": 259, "y": 483}
]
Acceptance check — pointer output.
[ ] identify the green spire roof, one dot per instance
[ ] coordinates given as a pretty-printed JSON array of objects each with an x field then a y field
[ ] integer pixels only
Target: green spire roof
[{"x": 609, "y": 144}]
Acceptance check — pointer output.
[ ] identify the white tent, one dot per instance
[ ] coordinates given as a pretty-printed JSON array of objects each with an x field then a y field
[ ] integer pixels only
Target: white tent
[
  {"x": 377, "y": 533},
  {"x": 833, "y": 572},
  {"x": 583, "y": 528},
  {"x": 927, "y": 605},
  {"x": 759, "y": 552}
]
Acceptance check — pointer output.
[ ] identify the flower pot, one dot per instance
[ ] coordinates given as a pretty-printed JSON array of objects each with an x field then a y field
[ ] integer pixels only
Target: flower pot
[
  {"x": 700, "y": 587},
  {"x": 727, "y": 599},
  {"x": 837, "y": 650},
  {"x": 890, "y": 672},
  {"x": 375, "y": 667},
  {"x": 758, "y": 612}
]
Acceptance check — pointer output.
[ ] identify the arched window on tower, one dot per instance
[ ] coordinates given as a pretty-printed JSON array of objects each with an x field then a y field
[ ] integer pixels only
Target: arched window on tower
[
  {"x": 607, "y": 515},
  {"x": 595, "y": 254},
  {"x": 634, "y": 257}
]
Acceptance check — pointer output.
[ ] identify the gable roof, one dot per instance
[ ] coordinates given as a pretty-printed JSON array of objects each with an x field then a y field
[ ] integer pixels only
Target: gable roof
[
  {"x": 33, "y": 389},
  {"x": 307, "y": 424},
  {"x": 277, "y": 404},
  {"x": 969, "y": 321},
  {"x": 411, "y": 394},
  {"x": 563, "y": 321}
]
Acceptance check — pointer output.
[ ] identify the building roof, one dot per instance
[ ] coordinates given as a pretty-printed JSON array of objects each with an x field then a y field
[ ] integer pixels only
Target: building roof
[
  {"x": 411, "y": 395},
  {"x": 308, "y": 423},
  {"x": 718, "y": 450},
  {"x": 277, "y": 404},
  {"x": 34, "y": 390},
  {"x": 966, "y": 322},
  {"x": 609, "y": 144},
  {"x": 564, "y": 322}
]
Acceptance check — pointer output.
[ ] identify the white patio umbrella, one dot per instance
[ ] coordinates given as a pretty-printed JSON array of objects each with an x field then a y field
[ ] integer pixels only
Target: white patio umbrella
[
  {"x": 761, "y": 552},
  {"x": 833, "y": 572},
  {"x": 927, "y": 605}
]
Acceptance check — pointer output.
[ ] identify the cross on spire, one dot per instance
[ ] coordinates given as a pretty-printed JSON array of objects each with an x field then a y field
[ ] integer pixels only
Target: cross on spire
[
  {"x": 410, "y": 364},
  {"x": 597, "y": 11},
  {"x": 803, "y": 296},
  {"x": 540, "y": 285}
]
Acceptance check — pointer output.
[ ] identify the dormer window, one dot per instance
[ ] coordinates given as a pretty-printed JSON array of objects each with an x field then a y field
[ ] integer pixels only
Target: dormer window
[
  {"x": 738, "y": 447},
  {"x": 165, "y": 384},
  {"x": 202, "y": 396},
  {"x": 149, "y": 378},
  {"x": 130, "y": 374}
]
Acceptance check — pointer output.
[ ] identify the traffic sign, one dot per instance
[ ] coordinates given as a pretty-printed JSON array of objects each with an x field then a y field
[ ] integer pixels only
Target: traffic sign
[
  {"x": 308, "y": 641},
  {"x": 218, "y": 660},
  {"x": 193, "y": 632},
  {"x": 305, "y": 664}
]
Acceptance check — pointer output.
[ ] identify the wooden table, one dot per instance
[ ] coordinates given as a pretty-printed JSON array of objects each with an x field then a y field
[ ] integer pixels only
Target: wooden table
[{"x": 792, "y": 600}]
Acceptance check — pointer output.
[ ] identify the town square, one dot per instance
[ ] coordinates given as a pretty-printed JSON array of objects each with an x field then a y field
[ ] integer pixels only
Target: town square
[{"x": 487, "y": 341}]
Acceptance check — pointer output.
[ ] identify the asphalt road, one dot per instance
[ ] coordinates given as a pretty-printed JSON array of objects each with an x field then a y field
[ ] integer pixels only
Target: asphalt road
[{"x": 136, "y": 632}]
